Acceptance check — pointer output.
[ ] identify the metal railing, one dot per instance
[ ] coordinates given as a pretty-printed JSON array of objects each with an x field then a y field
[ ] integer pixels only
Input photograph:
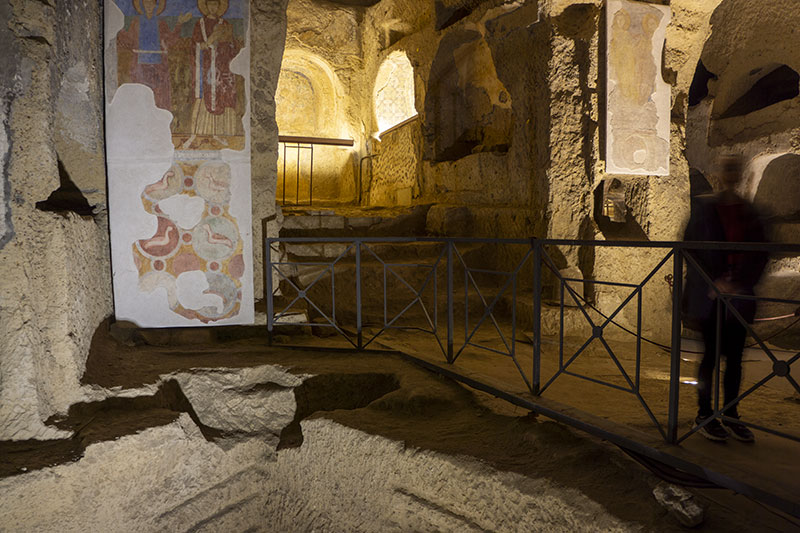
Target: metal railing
[
  {"x": 304, "y": 143},
  {"x": 526, "y": 269}
]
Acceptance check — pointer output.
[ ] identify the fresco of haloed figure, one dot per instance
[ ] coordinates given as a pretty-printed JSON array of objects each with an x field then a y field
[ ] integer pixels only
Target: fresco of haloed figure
[{"x": 183, "y": 50}]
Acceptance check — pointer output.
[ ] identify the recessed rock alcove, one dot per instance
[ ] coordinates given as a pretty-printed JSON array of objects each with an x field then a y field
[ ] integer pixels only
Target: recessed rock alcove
[
  {"x": 329, "y": 392},
  {"x": 467, "y": 108}
]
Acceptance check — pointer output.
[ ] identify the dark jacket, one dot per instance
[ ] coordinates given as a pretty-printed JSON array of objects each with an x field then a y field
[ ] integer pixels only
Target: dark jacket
[{"x": 742, "y": 268}]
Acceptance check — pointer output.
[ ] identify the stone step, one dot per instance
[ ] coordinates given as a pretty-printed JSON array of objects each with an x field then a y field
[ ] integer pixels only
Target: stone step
[
  {"x": 370, "y": 252},
  {"x": 408, "y": 260},
  {"x": 354, "y": 222},
  {"x": 392, "y": 290}
]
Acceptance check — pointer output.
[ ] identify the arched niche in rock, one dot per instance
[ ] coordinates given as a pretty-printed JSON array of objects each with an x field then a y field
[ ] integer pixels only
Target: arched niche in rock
[
  {"x": 310, "y": 102},
  {"x": 467, "y": 108},
  {"x": 773, "y": 84},
  {"x": 757, "y": 90},
  {"x": 745, "y": 95},
  {"x": 308, "y": 98},
  {"x": 777, "y": 199},
  {"x": 778, "y": 191},
  {"x": 393, "y": 95}
]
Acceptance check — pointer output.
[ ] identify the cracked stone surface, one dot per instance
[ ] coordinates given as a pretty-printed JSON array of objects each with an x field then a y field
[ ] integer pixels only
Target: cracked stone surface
[
  {"x": 680, "y": 503},
  {"x": 249, "y": 400},
  {"x": 171, "y": 479}
]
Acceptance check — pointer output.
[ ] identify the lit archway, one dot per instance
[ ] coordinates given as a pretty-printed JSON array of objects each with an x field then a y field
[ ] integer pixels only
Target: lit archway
[
  {"x": 393, "y": 95},
  {"x": 312, "y": 115},
  {"x": 308, "y": 98}
]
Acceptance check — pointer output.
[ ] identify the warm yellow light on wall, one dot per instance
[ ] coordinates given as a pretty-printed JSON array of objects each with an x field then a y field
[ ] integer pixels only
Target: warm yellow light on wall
[
  {"x": 310, "y": 100},
  {"x": 393, "y": 95}
]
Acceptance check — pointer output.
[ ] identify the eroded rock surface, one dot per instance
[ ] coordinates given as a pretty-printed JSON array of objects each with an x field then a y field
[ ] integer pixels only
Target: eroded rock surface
[{"x": 171, "y": 478}]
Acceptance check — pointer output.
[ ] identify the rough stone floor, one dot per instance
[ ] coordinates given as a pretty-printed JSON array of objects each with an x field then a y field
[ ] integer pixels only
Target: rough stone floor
[{"x": 191, "y": 432}]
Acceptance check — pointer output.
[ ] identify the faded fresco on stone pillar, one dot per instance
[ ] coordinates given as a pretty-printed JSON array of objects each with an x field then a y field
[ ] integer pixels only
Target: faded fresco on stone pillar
[
  {"x": 178, "y": 149},
  {"x": 638, "y": 100}
]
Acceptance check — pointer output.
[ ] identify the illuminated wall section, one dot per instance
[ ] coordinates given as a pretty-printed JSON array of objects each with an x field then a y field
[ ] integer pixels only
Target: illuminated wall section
[
  {"x": 394, "y": 91},
  {"x": 310, "y": 101},
  {"x": 178, "y": 149}
]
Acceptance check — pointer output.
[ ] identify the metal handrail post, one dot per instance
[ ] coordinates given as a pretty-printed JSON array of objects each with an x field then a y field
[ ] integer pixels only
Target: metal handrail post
[
  {"x": 537, "y": 315},
  {"x": 284, "y": 173},
  {"x": 297, "y": 178},
  {"x": 675, "y": 352},
  {"x": 311, "y": 178},
  {"x": 450, "y": 315},
  {"x": 359, "y": 333},
  {"x": 268, "y": 289}
]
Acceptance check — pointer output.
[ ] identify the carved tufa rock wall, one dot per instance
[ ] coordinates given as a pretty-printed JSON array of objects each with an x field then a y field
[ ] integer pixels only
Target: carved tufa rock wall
[
  {"x": 268, "y": 32},
  {"x": 472, "y": 94},
  {"x": 55, "y": 287},
  {"x": 395, "y": 167}
]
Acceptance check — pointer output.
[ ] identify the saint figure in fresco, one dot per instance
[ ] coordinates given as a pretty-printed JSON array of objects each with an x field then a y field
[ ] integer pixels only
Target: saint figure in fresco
[
  {"x": 631, "y": 55},
  {"x": 214, "y": 85},
  {"x": 147, "y": 40},
  {"x": 633, "y": 76}
]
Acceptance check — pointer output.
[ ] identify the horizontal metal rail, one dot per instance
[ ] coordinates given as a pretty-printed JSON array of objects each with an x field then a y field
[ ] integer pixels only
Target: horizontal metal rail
[{"x": 395, "y": 240}]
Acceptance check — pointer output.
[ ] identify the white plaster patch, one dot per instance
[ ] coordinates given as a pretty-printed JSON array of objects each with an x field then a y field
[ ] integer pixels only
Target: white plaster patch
[
  {"x": 135, "y": 128},
  {"x": 192, "y": 291},
  {"x": 184, "y": 209}
]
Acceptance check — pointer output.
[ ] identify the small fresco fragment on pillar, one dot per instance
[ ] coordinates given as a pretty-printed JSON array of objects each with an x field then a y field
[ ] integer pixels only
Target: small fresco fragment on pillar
[{"x": 638, "y": 99}]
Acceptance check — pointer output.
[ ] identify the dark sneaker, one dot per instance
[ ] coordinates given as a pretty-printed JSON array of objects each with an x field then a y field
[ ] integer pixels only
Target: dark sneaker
[
  {"x": 713, "y": 430},
  {"x": 740, "y": 431}
]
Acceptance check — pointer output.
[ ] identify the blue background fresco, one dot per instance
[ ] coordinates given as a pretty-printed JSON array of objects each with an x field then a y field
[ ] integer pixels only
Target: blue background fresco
[{"x": 236, "y": 8}]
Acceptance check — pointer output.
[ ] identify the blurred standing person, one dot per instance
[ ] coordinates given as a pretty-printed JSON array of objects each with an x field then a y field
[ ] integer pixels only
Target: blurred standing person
[{"x": 724, "y": 217}]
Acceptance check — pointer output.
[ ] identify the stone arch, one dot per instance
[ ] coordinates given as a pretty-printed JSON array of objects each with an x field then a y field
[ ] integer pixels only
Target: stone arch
[
  {"x": 467, "y": 108},
  {"x": 393, "y": 95},
  {"x": 757, "y": 65},
  {"x": 308, "y": 97}
]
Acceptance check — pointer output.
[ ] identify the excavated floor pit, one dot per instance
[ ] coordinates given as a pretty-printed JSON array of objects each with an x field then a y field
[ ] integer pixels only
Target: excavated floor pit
[
  {"x": 331, "y": 392},
  {"x": 231, "y": 435}
]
